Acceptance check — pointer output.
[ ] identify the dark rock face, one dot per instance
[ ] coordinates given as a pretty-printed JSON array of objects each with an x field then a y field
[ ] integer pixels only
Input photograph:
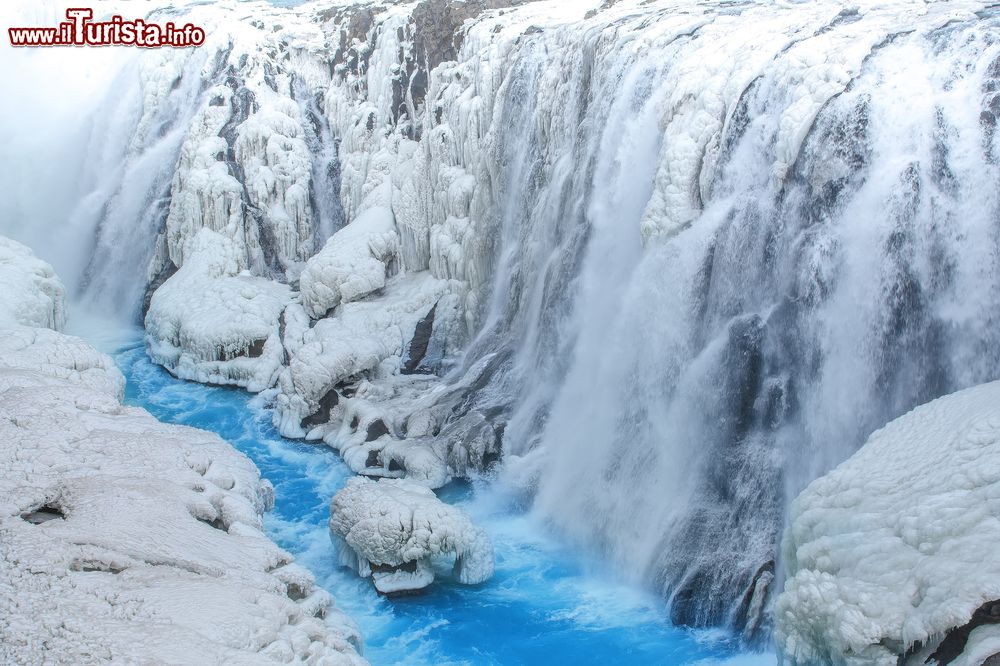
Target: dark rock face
[
  {"x": 376, "y": 429},
  {"x": 418, "y": 345},
  {"x": 255, "y": 350},
  {"x": 165, "y": 274},
  {"x": 954, "y": 643},
  {"x": 322, "y": 415}
]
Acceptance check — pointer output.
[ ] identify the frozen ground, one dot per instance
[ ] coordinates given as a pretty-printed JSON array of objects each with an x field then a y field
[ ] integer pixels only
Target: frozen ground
[{"x": 124, "y": 539}]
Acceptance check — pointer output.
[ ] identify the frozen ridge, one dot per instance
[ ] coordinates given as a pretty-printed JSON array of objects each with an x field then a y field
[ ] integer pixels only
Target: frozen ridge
[
  {"x": 126, "y": 540},
  {"x": 888, "y": 556},
  {"x": 391, "y": 529}
]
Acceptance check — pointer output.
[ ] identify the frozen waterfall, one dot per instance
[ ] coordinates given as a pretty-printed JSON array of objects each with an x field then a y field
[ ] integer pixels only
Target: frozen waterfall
[{"x": 698, "y": 251}]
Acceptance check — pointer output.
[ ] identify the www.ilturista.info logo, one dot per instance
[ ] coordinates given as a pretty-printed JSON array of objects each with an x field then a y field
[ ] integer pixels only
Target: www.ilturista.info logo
[{"x": 79, "y": 30}]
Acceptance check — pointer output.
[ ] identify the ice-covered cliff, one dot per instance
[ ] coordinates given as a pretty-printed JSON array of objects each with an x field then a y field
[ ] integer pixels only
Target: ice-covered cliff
[
  {"x": 123, "y": 539},
  {"x": 668, "y": 260},
  {"x": 888, "y": 556}
]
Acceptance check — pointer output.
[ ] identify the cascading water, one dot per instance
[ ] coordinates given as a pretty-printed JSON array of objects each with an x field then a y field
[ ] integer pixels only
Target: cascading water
[
  {"x": 325, "y": 194},
  {"x": 761, "y": 344},
  {"x": 136, "y": 142}
]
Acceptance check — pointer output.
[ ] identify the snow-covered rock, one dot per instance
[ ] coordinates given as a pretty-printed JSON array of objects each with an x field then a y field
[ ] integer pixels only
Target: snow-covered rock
[
  {"x": 30, "y": 292},
  {"x": 354, "y": 263},
  {"x": 158, "y": 561},
  {"x": 889, "y": 557},
  {"x": 391, "y": 529},
  {"x": 213, "y": 322},
  {"x": 371, "y": 337}
]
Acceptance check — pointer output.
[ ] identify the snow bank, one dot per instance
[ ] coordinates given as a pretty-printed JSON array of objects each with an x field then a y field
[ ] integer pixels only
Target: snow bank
[
  {"x": 390, "y": 529},
  {"x": 352, "y": 264},
  {"x": 213, "y": 322},
  {"x": 890, "y": 552},
  {"x": 123, "y": 539},
  {"x": 30, "y": 292}
]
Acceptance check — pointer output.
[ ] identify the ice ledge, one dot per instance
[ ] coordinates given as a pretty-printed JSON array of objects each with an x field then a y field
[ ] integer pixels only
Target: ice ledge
[
  {"x": 123, "y": 539},
  {"x": 888, "y": 557}
]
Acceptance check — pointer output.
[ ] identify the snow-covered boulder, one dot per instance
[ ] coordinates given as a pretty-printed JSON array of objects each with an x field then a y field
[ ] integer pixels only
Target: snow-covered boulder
[
  {"x": 391, "y": 529},
  {"x": 352, "y": 264},
  {"x": 213, "y": 322},
  {"x": 30, "y": 292},
  {"x": 889, "y": 557},
  {"x": 125, "y": 540}
]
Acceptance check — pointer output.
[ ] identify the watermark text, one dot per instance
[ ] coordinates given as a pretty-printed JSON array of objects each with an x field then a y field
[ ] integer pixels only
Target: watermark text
[{"x": 80, "y": 30}]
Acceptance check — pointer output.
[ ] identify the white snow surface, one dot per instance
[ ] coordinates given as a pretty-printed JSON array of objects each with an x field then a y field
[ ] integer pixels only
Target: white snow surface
[
  {"x": 353, "y": 263},
  {"x": 60, "y": 356},
  {"x": 30, "y": 292},
  {"x": 123, "y": 539},
  {"x": 395, "y": 522},
  {"x": 895, "y": 545},
  {"x": 213, "y": 322}
]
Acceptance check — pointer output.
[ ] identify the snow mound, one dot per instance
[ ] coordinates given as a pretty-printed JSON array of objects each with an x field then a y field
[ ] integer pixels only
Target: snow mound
[
  {"x": 890, "y": 552},
  {"x": 352, "y": 264},
  {"x": 63, "y": 357},
  {"x": 126, "y": 540},
  {"x": 213, "y": 322},
  {"x": 391, "y": 528},
  {"x": 30, "y": 292}
]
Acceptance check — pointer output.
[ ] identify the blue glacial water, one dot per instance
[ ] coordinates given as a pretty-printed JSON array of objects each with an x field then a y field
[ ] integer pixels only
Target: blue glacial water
[{"x": 544, "y": 605}]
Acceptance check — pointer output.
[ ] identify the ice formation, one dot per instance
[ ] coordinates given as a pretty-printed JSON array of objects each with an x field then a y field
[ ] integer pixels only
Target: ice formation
[
  {"x": 391, "y": 529},
  {"x": 126, "y": 540},
  {"x": 363, "y": 338},
  {"x": 354, "y": 263},
  {"x": 32, "y": 294},
  {"x": 671, "y": 259},
  {"x": 212, "y": 321},
  {"x": 888, "y": 554}
]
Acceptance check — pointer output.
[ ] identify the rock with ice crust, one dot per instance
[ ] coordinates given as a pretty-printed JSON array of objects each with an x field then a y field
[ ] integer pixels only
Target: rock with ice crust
[
  {"x": 213, "y": 322},
  {"x": 390, "y": 530},
  {"x": 352, "y": 264},
  {"x": 889, "y": 557}
]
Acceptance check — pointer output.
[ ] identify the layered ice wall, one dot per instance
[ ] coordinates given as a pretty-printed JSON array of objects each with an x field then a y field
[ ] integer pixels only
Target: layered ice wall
[{"x": 671, "y": 260}]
